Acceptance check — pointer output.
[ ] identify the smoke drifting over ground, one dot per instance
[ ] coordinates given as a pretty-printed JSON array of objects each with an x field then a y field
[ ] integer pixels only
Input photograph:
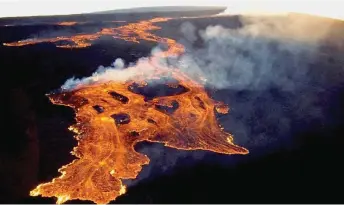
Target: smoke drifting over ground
[
  {"x": 262, "y": 70},
  {"x": 116, "y": 72},
  {"x": 258, "y": 55},
  {"x": 261, "y": 53}
]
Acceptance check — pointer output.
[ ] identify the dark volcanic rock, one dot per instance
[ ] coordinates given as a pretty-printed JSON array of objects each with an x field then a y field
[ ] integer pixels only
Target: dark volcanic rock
[{"x": 19, "y": 147}]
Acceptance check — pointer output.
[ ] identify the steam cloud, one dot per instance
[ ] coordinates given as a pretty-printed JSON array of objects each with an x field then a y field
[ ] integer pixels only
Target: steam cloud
[
  {"x": 116, "y": 72},
  {"x": 260, "y": 53},
  {"x": 256, "y": 56}
]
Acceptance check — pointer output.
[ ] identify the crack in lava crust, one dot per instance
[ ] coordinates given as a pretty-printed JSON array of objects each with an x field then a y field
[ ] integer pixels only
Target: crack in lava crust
[{"x": 112, "y": 119}]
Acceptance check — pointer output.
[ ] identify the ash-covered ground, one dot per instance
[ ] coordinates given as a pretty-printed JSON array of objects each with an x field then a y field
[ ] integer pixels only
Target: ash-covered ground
[{"x": 282, "y": 77}]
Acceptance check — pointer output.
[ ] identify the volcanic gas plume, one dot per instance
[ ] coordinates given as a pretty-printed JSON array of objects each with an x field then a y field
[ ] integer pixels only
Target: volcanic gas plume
[{"x": 113, "y": 116}]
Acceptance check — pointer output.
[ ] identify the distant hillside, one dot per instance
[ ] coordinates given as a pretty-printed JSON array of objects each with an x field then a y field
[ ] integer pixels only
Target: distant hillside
[
  {"x": 163, "y": 9},
  {"x": 133, "y": 14}
]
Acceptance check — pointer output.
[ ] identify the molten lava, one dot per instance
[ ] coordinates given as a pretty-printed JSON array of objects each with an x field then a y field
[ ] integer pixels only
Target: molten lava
[
  {"x": 111, "y": 120},
  {"x": 113, "y": 116},
  {"x": 67, "y": 23},
  {"x": 131, "y": 32},
  {"x": 72, "y": 23}
]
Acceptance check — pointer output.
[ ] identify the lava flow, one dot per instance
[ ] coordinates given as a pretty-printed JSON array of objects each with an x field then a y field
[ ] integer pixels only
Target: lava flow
[
  {"x": 67, "y": 23},
  {"x": 72, "y": 23},
  {"x": 113, "y": 116},
  {"x": 130, "y": 32}
]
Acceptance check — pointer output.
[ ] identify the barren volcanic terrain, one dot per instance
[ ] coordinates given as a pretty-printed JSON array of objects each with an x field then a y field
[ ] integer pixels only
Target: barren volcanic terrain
[{"x": 172, "y": 107}]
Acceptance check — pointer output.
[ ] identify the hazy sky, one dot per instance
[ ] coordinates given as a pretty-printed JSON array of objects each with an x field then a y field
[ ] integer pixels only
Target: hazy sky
[
  {"x": 8, "y": 8},
  {"x": 50, "y": 7}
]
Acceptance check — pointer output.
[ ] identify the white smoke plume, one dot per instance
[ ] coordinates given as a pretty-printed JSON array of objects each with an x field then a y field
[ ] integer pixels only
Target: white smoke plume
[
  {"x": 264, "y": 53},
  {"x": 116, "y": 72},
  {"x": 260, "y": 53}
]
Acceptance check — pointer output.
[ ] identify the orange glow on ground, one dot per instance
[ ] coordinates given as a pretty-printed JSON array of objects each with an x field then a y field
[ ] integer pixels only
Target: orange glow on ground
[{"x": 107, "y": 135}]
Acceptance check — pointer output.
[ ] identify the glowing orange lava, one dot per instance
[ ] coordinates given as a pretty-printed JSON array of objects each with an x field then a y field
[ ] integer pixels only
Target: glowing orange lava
[
  {"x": 67, "y": 23},
  {"x": 112, "y": 117},
  {"x": 72, "y": 23},
  {"x": 131, "y": 32}
]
